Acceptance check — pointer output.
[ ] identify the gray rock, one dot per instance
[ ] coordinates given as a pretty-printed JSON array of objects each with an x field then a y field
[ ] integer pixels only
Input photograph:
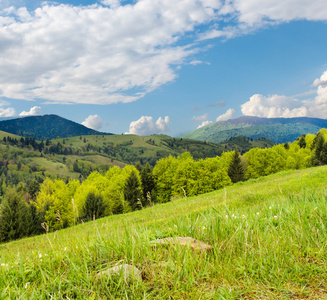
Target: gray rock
[
  {"x": 129, "y": 272},
  {"x": 183, "y": 241}
]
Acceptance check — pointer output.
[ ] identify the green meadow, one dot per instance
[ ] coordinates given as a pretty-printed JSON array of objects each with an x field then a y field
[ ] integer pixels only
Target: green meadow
[{"x": 268, "y": 235}]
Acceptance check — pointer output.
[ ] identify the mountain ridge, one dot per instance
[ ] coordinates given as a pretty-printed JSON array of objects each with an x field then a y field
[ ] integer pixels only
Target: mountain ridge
[
  {"x": 42, "y": 127},
  {"x": 278, "y": 130}
]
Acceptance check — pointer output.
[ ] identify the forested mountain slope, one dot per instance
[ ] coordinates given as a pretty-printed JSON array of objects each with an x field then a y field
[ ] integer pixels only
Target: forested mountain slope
[
  {"x": 47, "y": 126},
  {"x": 278, "y": 130}
]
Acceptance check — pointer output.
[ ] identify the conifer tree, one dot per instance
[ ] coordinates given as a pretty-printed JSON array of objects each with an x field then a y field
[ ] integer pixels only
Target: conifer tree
[
  {"x": 319, "y": 144},
  {"x": 93, "y": 207},
  {"x": 302, "y": 142},
  {"x": 132, "y": 191},
  {"x": 14, "y": 217},
  {"x": 236, "y": 169},
  {"x": 148, "y": 184}
]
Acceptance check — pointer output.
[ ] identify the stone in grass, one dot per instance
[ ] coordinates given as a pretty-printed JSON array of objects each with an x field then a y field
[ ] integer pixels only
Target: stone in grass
[
  {"x": 183, "y": 241},
  {"x": 129, "y": 272}
]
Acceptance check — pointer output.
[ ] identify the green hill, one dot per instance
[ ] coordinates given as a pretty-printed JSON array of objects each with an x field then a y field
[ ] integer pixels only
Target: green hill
[
  {"x": 47, "y": 126},
  {"x": 268, "y": 237},
  {"x": 75, "y": 157},
  {"x": 278, "y": 130}
]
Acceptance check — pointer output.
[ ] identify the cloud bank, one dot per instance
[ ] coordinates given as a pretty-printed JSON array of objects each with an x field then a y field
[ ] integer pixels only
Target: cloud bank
[
  {"x": 146, "y": 126},
  {"x": 277, "y": 106},
  {"x": 109, "y": 52}
]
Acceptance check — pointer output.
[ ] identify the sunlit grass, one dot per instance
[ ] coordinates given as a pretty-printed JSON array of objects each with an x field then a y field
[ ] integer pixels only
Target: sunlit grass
[{"x": 269, "y": 238}]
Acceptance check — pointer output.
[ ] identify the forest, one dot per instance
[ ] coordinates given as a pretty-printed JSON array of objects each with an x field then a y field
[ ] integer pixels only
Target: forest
[{"x": 39, "y": 206}]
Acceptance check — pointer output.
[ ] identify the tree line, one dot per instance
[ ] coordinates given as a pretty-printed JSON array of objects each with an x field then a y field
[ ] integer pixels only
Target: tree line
[{"x": 57, "y": 204}]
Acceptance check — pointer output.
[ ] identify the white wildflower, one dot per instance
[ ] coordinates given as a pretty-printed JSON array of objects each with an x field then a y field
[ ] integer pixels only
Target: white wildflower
[{"x": 40, "y": 255}]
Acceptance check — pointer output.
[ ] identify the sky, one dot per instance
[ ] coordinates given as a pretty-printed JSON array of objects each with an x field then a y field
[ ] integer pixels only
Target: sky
[{"x": 162, "y": 66}]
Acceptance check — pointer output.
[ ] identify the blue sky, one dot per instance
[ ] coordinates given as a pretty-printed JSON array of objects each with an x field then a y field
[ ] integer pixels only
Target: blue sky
[{"x": 162, "y": 66}]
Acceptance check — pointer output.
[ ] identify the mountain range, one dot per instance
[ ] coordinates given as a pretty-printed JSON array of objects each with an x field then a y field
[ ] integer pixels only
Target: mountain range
[
  {"x": 46, "y": 127},
  {"x": 278, "y": 130}
]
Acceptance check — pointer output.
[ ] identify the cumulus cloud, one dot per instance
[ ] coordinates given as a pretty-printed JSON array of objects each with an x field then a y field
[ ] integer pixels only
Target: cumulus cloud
[
  {"x": 93, "y": 122},
  {"x": 7, "y": 112},
  {"x": 289, "y": 107},
  {"x": 34, "y": 111},
  {"x": 204, "y": 123},
  {"x": 201, "y": 118},
  {"x": 227, "y": 115},
  {"x": 109, "y": 52},
  {"x": 98, "y": 54},
  {"x": 146, "y": 126}
]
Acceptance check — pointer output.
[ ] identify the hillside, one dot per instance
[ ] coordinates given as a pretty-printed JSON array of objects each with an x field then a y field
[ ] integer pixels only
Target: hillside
[
  {"x": 268, "y": 237},
  {"x": 278, "y": 130},
  {"x": 45, "y": 127},
  {"x": 77, "y": 157}
]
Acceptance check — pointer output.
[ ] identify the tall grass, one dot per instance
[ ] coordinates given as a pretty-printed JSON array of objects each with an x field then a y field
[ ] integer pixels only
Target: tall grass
[{"x": 269, "y": 238}]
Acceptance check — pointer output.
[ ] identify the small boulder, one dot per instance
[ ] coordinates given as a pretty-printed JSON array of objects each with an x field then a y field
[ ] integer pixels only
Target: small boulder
[
  {"x": 129, "y": 272},
  {"x": 183, "y": 241}
]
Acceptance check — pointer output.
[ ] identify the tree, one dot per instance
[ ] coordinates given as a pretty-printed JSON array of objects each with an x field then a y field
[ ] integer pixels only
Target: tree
[
  {"x": 236, "y": 169},
  {"x": 14, "y": 217},
  {"x": 318, "y": 144},
  {"x": 148, "y": 184},
  {"x": 132, "y": 191},
  {"x": 302, "y": 142},
  {"x": 93, "y": 206}
]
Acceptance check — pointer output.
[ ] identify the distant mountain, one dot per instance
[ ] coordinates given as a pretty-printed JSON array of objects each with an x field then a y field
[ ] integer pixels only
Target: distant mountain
[
  {"x": 278, "y": 130},
  {"x": 47, "y": 126}
]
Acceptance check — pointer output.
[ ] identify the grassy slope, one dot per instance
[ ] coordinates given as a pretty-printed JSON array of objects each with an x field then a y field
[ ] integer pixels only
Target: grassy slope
[{"x": 268, "y": 235}]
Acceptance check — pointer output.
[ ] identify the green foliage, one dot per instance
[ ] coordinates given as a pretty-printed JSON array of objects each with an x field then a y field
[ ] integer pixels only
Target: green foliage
[
  {"x": 236, "y": 169},
  {"x": 148, "y": 185},
  {"x": 133, "y": 192},
  {"x": 93, "y": 207},
  {"x": 14, "y": 215}
]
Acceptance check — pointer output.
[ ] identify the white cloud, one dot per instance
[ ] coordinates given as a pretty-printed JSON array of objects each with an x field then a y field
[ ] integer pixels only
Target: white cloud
[
  {"x": 146, "y": 126},
  {"x": 93, "y": 122},
  {"x": 227, "y": 115},
  {"x": 289, "y": 107},
  {"x": 250, "y": 15},
  {"x": 162, "y": 124},
  {"x": 7, "y": 112},
  {"x": 97, "y": 54},
  {"x": 108, "y": 52},
  {"x": 34, "y": 111},
  {"x": 111, "y": 3},
  {"x": 201, "y": 118},
  {"x": 204, "y": 123}
]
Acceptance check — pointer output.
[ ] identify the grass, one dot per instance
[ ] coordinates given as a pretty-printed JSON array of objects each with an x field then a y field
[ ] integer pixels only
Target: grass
[{"x": 269, "y": 238}]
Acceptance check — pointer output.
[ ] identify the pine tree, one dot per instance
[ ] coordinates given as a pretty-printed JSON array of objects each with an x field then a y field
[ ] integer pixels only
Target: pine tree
[
  {"x": 14, "y": 217},
  {"x": 132, "y": 191},
  {"x": 302, "y": 142},
  {"x": 323, "y": 154},
  {"x": 236, "y": 169},
  {"x": 148, "y": 184},
  {"x": 319, "y": 144},
  {"x": 93, "y": 207}
]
